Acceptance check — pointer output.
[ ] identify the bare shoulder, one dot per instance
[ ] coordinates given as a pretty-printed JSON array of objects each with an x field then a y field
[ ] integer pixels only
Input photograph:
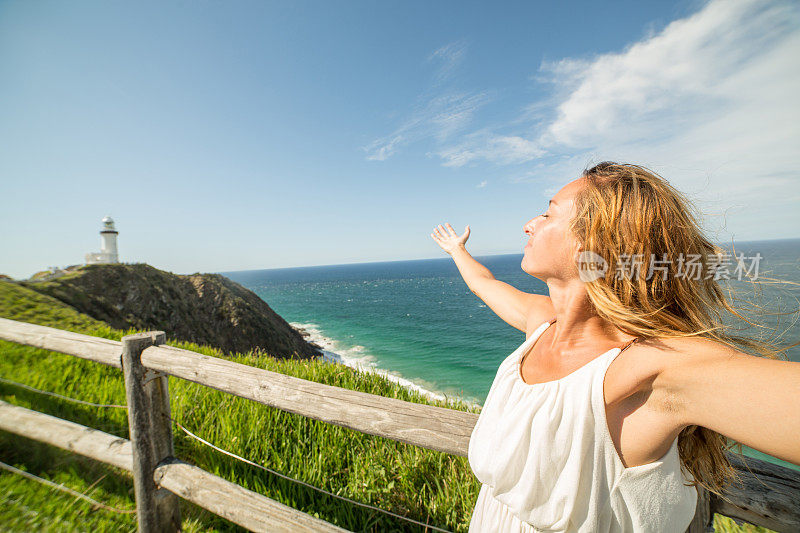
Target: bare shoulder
[
  {"x": 641, "y": 364},
  {"x": 651, "y": 368},
  {"x": 669, "y": 353},
  {"x": 540, "y": 310}
]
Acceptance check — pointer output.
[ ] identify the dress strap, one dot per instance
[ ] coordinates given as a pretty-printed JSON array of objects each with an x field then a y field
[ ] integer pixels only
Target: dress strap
[{"x": 629, "y": 343}]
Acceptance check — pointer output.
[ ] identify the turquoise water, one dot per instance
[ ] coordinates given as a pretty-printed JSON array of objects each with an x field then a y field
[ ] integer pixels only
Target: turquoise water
[
  {"x": 418, "y": 322},
  {"x": 415, "y": 319}
]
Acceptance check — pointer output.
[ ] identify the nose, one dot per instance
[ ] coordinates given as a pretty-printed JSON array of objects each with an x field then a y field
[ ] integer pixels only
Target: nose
[{"x": 528, "y": 227}]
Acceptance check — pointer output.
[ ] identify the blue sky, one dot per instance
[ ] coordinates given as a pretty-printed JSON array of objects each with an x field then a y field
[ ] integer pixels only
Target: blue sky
[{"x": 241, "y": 135}]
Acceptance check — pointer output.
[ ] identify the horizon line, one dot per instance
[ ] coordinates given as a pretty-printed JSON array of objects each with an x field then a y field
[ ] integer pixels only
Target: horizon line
[{"x": 445, "y": 258}]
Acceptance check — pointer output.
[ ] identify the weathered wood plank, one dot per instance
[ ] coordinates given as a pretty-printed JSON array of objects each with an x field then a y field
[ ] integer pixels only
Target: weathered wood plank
[
  {"x": 431, "y": 427},
  {"x": 96, "y": 349},
  {"x": 436, "y": 428},
  {"x": 239, "y": 505},
  {"x": 156, "y": 387},
  {"x": 143, "y": 421},
  {"x": 768, "y": 497},
  {"x": 67, "y": 435}
]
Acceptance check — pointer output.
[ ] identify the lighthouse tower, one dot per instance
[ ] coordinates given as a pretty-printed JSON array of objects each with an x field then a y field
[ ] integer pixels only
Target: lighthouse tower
[{"x": 108, "y": 244}]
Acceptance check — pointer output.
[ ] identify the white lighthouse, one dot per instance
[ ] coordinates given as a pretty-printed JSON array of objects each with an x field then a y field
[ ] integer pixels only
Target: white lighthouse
[{"x": 108, "y": 244}]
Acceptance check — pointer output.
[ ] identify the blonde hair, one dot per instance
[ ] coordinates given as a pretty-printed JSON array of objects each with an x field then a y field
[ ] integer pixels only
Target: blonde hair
[{"x": 628, "y": 209}]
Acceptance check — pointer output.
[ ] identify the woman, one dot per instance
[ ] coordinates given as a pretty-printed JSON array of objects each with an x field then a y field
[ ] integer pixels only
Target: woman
[{"x": 628, "y": 388}]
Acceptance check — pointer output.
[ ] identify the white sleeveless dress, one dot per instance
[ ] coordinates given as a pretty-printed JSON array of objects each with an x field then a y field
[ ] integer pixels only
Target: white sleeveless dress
[{"x": 546, "y": 462}]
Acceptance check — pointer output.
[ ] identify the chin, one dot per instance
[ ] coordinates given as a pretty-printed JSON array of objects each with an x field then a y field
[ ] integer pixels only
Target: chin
[
  {"x": 527, "y": 267},
  {"x": 530, "y": 267}
]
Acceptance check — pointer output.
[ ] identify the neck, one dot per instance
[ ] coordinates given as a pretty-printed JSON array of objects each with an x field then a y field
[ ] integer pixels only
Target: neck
[{"x": 578, "y": 327}]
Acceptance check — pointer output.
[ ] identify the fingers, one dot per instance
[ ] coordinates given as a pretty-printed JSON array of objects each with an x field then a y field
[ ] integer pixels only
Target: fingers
[
  {"x": 445, "y": 231},
  {"x": 442, "y": 233}
]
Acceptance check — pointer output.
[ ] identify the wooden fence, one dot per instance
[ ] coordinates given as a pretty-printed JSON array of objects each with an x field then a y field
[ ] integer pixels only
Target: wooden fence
[{"x": 769, "y": 495}]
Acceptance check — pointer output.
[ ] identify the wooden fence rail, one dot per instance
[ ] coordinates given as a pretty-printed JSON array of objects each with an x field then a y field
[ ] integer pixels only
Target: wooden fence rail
[
  {"x": 239, "y": 505},
  {"x": 768, "y": 497}
]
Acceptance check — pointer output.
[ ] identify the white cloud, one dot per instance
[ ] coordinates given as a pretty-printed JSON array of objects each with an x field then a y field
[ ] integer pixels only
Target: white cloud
[
  {"x": 381, "y": 151},
  {"x": 438, "y": 116},
  {"x": 482, "y": 184},
  {"x": 721, "y": 82},
  {"x": 710, "y": 102},
  {"x": 691, "y": 70},
  {"x": 449, "y": 114},
  {"x": 449, "y": 57},
  {"x": 496, "y": 148}
]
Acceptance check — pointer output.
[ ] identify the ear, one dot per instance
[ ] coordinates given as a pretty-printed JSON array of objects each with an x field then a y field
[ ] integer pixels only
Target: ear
[{"x": 577, "y": 248}]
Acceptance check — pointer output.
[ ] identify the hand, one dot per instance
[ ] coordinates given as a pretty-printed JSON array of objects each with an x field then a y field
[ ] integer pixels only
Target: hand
[{"x": 448, "y": 239}]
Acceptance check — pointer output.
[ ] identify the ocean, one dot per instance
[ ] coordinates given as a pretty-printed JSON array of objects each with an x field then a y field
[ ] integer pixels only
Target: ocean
[{"x": 418, "y": 323}]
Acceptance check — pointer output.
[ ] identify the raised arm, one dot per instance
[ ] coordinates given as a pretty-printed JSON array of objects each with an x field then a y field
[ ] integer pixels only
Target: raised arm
[
  {"x": 512, "y": 305},
  {"x": 753, "y": 400}
]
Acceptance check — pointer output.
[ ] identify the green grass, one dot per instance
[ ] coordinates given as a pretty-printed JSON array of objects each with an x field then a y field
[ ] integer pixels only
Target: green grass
[{"x": 424, "y": 485}]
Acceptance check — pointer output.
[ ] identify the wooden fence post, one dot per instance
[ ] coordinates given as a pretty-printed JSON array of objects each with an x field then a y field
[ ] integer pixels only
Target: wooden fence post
[{"x": 147, "y": 393}]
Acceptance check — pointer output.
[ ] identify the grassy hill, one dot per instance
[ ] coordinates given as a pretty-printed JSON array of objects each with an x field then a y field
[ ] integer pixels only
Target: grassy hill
[{"x": 202, "y": 308}]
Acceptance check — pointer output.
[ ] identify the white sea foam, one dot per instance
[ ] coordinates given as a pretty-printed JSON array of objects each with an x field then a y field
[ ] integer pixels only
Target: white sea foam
[{"x": 334, "y": 351}]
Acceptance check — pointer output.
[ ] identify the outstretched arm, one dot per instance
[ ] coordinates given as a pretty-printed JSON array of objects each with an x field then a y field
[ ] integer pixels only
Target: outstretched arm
[
  {"x": 509, "y": 303},
  {"x": 753, "y": 400}
]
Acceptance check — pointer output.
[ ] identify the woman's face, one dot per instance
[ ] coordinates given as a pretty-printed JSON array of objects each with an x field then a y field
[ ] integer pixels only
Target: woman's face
[{"x": 551, "y": 248}]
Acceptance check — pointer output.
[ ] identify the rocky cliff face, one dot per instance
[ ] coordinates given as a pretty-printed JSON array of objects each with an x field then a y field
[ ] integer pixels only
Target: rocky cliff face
[{"x": 203, "y": 308}]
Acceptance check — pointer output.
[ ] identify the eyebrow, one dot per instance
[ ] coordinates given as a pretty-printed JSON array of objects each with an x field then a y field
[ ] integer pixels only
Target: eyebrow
[{"x": 551, "y": 202}]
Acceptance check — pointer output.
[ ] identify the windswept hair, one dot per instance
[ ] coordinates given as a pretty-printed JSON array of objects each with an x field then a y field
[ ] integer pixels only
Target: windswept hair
[{"x": 626, "y": 210}]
